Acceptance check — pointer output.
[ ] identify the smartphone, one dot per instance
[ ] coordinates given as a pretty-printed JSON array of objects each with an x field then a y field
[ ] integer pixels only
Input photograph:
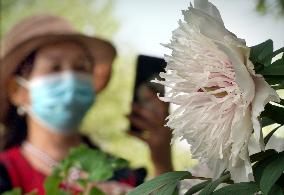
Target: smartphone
[{"x": 147, "y": 69}]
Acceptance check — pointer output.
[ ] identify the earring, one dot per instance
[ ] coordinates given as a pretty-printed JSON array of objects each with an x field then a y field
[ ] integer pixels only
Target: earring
[{"x": 21, "y": 111}]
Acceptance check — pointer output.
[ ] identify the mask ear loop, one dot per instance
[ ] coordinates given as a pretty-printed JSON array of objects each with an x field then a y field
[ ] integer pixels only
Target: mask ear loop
[
  {"x": 23, "y": 82},
  {"x": 21, "y": 110}
]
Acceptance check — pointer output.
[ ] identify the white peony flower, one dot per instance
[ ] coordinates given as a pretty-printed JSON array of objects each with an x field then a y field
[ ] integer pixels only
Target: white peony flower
[{"x": 210, "y": 77}]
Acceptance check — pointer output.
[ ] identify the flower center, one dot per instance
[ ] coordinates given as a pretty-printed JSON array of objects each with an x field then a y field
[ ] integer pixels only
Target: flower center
[{"x": 218, "y": 95}]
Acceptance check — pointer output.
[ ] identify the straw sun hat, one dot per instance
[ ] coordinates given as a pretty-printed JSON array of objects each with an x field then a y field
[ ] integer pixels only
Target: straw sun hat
[{"x": 36, "y": 31}]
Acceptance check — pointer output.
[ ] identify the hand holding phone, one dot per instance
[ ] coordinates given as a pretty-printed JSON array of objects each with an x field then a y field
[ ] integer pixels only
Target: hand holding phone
[
  {"x": 148, "y": 68},
  {"x": 148, "y": 115}
]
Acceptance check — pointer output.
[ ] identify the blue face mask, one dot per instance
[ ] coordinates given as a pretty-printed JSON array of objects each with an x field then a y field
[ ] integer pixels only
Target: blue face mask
[{"x": 60, "y": 101}]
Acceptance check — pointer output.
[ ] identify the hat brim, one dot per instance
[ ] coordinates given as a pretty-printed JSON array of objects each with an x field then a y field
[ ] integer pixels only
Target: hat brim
[{"x": 100, "y": 50}]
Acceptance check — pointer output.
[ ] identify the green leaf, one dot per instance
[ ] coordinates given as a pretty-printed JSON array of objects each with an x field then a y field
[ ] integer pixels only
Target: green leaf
[
  {"x": 51, "y": 185},
  {"x": 274, "y": 112},
  {"x": 118, "y": 163},
  {"x": 82, "y": 182},
  {"x": 15, "y": 191},
  {"x": 279, "y": 83},
  {"x": 261, "y": 6},
  {"x": 275, "y": 80},
  {"x": 243, "y": 188},
  {"x": 214, "y": 184},
  {"x": 197, "y": 187},
  {"x": 276, "y": 190},
  {"x": 101, "y": 172},
  {"x": 96, "y": 191},
  {"x": 259, "y": 166},
  {"x": 167, "y": 189},
  {"x": 262, "y": 155},
  {"x": 279, "y": 62},
  {"x": 97, "y": 164},
  {"x": 271, "y": 173},
  {"x": 281, "y": 102},
  {"x": 176, "y": 192},
  {"x": 266, "y": 121},
  {"x": 269, "y": 135},
  {"x": 280, "y": 181},
  {"x": 261, "y": 53},
  {"x": 276, "y": 68},
  {"x": 34, "y": 192},
  {"x": 163, "y": 183}
]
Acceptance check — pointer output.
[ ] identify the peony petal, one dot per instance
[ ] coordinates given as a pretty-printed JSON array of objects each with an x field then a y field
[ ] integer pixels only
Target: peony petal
[
  {"x": 240, "y": 167},
  {"x": 263, "y": 94},
  {"x": 204, "y": 22},
  {"x": 276, "y": 143},
  {"x": 243, "y": 77},
  {"x": 208, "y": 8},
  {"x": 201, "y": 20}
]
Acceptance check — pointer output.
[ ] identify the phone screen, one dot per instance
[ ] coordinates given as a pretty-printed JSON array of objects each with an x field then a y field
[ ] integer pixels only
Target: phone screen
[{"x": 147, "y": 69}]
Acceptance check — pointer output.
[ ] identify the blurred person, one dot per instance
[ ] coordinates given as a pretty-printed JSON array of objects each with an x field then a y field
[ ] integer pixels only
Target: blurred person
[{"x": 49, "y": 78}]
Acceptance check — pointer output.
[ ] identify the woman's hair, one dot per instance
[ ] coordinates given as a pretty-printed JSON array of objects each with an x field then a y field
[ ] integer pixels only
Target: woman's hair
[{"x": 14, "y": 126}]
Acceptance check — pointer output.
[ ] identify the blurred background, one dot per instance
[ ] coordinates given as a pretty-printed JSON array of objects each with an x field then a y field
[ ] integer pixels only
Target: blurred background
[{"x": 139, "y": 27}]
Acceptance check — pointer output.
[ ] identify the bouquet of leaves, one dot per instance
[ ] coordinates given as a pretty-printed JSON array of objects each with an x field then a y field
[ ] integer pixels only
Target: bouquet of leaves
[{"x": 226, "y": 93}]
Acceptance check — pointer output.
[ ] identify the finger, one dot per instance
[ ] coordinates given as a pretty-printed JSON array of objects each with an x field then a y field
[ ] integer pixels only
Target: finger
[
  {"x": 138, "y": 135},
  {"x": 153, "y": 96},
  {"x": 141, "y": 123},
  {"x": 142, "y": 111},
  {"x": 148, "y": 93},
  {"x": 147, "y": 114},
  {"x": 156, "y": 106}
]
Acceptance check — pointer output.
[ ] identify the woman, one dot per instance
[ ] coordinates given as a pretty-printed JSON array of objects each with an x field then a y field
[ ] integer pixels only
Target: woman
[{"x": 50, "y": 75}]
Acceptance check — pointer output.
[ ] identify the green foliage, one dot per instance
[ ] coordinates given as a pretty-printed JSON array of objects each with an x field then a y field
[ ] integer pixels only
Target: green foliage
[
  {"x": 276, "y": 68},
  {"x": 96, "y": 191},
  {"x": 97, "y": 17},
  {"x": 272, "y": 173},
  {"x": 266, "y": 121},
  {"x": 51, "y": 185},
  {"x": 274, "y": 112},
  {"x": 266, "y": 6},
  {"x": 276, "y": 190},
  {"x": 16, "y": 191},
  {"x": 95, "y": 164},
  {"x": 260, "y": 54},
  {"x": 164, "y": 184},
  {"x": 243, "y": 188},
  {"x": 197, "y": 187},
  {"x": 209, "y": 188},
  {"x": 261, "y": 155},
  {"x": 259, "y": 166}
]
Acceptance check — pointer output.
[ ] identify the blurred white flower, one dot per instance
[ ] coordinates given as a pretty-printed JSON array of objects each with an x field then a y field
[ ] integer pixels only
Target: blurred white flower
[{"x": 210, "y": 77}]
